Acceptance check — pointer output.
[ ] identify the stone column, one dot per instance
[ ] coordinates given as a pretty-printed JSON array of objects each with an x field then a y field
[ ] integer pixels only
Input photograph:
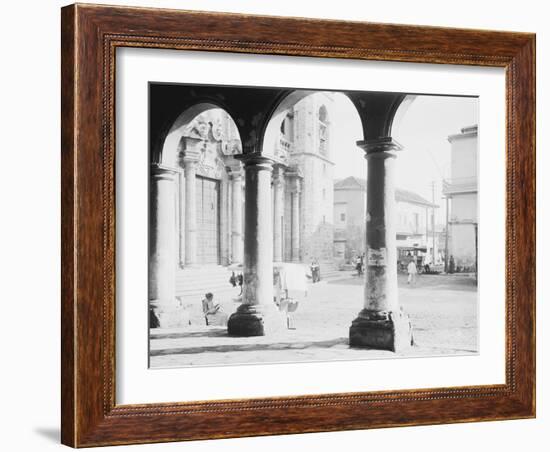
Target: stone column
[
  {"x": 257, "y": 314},
  {"x": 165, "y": 311},
  {"x": 381, "y": 324},
  {"x": 190, "y": 161},
  {"x": 278, "y": 211},
  {"x": 236, "y": 212},
  {"x": 295, "y": 190},
  {"x": 181, "y": 222},
  {"x": 224, "y": 207}
]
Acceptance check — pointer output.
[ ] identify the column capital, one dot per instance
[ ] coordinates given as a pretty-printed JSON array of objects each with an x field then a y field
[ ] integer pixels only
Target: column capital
[
  {"x": 294, "y": 172},
  {"x": 191, "y": 149},
  {"x": 190, "y": 157},
  {"x": 234, "y": 166},
  {"x": 384, "y": 146},
  {"x": 255, "y": 160},
  {"x": 278, "y": 174},
  {"x": 163, "y": 172},
  {"x": 295, "y": 177}
]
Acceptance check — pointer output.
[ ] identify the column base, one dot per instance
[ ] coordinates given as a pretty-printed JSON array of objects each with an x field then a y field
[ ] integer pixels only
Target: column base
[
  {"x": 168, "y": 317},
  {"x": 381, "y": 330},
  {"x": 254, "y": 320}
]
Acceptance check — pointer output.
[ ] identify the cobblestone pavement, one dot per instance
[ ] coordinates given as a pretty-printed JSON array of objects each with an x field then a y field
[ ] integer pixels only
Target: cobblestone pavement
[{"x": 443, "y": 311}]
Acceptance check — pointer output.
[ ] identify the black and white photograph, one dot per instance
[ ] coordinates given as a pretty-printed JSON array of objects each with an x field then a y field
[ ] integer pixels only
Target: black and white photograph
[
  {"x": 243, "y": 226},
  {"x": 346, "y": 231}
]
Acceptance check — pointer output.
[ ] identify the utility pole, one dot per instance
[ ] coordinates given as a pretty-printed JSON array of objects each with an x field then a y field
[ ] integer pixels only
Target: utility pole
[
  {"x": 433, "y": 222},
  {"x": 475, "y": 232},
  {"x": 447, "y": 234}
]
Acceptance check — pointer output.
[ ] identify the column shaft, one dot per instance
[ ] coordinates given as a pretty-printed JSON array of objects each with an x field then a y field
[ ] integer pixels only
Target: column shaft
[
  {"x": 258, "y": 252},
  {"x": 381, "y": 259},
  {"x": 258, "y": 314},
  {"x": 295, "y": 219},
  {"x": 190, "y": 212},
  {"x": 381, "y": 324},
  {"x": 237, "y": 218},
  {"x": 278, "y": 206},
  {"x": 295, "y": 199},
  {"x": 181, "y": 223},
  {"x": 164, "y": 308}
]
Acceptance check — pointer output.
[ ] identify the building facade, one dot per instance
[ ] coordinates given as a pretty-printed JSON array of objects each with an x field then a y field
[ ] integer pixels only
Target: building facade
[
  {"x": 414, "y": 222},
  {"x": 461, "y": 190},
  {"x": 306, "y": 134},
  {"x": 211, "y": 184}
]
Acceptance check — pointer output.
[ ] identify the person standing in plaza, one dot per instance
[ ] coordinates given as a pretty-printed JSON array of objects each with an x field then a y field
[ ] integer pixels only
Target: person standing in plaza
[
  {"x": 411, "y": 270},
  {"x": 359, "y": 265},
  {"x": 315, "y": 269},
  {"x": 240, "y": 280}
]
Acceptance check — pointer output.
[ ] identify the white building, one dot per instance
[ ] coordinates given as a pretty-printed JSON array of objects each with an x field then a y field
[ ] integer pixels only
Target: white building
[
  {"x": 461, "y": 191},
  {"x": 413, "y": 221}
]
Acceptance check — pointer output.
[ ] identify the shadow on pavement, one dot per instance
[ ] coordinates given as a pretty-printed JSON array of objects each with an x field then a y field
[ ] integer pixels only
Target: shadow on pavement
[
  {"x": 301, "y": 345},
  {"x": 214, "y": 332}
]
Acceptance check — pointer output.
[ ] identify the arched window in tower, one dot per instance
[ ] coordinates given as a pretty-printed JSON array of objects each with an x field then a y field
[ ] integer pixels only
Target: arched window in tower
[
  {"x": 323, "y": 115},
  {"x": 323, "y": 130},
  {"x": 284, "y": 145}
]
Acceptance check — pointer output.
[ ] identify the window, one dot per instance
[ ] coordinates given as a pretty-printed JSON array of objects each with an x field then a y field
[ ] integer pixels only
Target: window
[
  {"x": 322, "y": 115},
  {"x": 342, "y": 217}
]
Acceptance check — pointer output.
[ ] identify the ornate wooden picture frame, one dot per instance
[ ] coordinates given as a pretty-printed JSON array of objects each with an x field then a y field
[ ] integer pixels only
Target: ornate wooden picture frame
[{"x": 90, "y": 37}]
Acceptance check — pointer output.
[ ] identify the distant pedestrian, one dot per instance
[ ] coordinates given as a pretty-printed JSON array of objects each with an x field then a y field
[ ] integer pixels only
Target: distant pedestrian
[
  {"x": 411, "y": 270},
  {"x": 359, "y": 265},
  {"x": 452, "y": 264},
  {"x": 240, "y": 281},
  {"x": 315, "y": 271},
  {"x": 233, "y": 279}
]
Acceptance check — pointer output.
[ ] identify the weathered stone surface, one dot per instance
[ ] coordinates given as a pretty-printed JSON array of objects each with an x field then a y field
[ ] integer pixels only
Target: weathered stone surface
[
  {"x": 255, "y": 320},
  {"x": 381, "y": 330},
  {"x": 169, "y": 317}
]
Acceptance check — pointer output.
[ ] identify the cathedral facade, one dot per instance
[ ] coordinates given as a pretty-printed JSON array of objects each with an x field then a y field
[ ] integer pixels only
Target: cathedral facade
[{"x": 210, "y": 195}]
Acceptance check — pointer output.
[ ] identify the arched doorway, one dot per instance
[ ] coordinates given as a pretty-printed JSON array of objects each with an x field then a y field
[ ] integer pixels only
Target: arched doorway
[{"x": 210, "y": 185}]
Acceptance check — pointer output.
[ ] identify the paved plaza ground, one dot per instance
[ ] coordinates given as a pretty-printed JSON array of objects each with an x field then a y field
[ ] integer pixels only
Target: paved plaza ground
[{"x": 442, "y": 308}]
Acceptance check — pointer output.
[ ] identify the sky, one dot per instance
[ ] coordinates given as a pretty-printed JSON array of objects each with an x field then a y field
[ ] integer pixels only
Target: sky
[{"x": 422, "y": 130}]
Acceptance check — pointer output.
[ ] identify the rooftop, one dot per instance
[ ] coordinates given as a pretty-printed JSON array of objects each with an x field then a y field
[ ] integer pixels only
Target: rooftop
[
  {"x": 465, "y": 132},
  {"x": 401, "y": 195}
]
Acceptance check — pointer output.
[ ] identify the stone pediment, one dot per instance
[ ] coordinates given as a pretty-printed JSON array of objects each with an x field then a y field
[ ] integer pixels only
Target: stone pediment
[{"x": 210, "y": 146}]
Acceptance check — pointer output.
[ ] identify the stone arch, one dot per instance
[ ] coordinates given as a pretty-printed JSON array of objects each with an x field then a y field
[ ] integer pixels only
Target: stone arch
[
  {"x": 172, "y": 142},
  {"x": 401, "y": 112},
  {"x": 308, "y": 174},
  {"x": 273, "y": 121},
  {"x": 287, "y": 100}
]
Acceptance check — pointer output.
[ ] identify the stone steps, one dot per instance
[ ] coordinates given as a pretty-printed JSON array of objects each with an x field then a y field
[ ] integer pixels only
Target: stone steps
[{"x": 195, "y": 282}]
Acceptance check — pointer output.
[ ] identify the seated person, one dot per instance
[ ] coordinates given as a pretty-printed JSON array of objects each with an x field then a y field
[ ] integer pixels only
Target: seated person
[{"x": 213, "y": 314}]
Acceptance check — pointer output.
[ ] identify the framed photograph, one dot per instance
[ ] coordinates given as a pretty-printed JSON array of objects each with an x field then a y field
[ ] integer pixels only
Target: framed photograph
[{"x": 281, "y": 225}]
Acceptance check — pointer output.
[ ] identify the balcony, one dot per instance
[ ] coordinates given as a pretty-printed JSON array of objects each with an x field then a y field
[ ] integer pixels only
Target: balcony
[
  {"x": 459, "y": 185},
  {"x": 283, "y": 148}
]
